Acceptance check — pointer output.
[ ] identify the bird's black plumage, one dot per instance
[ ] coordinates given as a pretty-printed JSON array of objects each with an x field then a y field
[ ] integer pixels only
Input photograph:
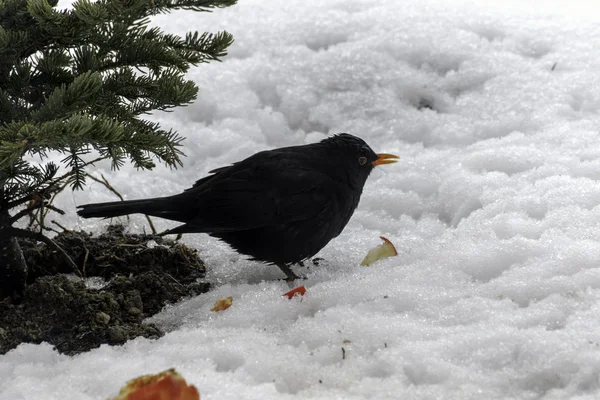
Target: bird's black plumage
[{"x": 278, "y": 206}]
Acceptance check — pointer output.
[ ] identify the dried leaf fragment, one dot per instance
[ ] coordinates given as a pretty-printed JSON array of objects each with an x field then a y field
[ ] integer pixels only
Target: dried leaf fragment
[
  {"x": 300, "y": 290},
  {"x": 166, "y": 385},
  {"x": 222, "y": 304},
  {"x": 384, "y": 250}
]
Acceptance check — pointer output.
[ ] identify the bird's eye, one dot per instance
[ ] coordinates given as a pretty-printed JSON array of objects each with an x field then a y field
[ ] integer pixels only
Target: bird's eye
[{"x": 362, "y": 160}]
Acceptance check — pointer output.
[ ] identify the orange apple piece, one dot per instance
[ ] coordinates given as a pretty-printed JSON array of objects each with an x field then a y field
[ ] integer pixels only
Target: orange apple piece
[
  {"x": 300, "y": 290},
  {"x": 166, "y": 385}
]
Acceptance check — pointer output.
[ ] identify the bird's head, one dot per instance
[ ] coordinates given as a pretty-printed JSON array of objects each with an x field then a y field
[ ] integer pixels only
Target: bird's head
[{"x": 355, "y": 157}]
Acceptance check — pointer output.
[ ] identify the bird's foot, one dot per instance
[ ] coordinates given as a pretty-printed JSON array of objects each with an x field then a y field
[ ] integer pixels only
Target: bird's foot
[
  {"x": 290, "y": 275},
  {"x": 314, "y": 261},
  {"x": 317, "y": 260}
]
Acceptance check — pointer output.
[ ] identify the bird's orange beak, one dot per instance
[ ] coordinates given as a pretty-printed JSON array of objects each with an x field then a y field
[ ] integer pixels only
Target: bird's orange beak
[{"x": 385, "y": 158}]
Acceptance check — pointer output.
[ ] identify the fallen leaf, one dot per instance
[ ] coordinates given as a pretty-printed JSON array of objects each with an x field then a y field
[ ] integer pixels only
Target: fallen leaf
[
  {"x": 166, "y": 385},
  {"x": 299, "y": 290},
  {"x": 384, "y": 250},
  {"x": 222, "y": 304}
]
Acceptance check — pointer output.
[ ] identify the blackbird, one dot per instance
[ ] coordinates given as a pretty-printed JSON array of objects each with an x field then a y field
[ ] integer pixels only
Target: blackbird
[{"x": 278, "y": 206}]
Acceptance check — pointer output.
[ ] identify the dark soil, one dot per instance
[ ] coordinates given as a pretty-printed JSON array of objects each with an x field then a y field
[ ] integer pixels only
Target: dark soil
[{"x": 134, "y": 276}]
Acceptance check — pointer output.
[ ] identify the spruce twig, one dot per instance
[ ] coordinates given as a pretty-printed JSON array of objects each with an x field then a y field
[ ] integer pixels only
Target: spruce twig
[{"x": 83, "y": 80}]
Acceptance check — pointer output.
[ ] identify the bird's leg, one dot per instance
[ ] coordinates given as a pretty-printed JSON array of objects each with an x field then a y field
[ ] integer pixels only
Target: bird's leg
[{"x": 291, "y": 276}]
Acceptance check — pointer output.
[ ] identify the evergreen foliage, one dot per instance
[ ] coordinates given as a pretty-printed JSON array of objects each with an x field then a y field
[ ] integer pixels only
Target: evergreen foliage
[{"x": 82, "y": 79}]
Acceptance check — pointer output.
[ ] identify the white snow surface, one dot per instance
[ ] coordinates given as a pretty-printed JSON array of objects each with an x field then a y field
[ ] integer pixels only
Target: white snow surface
[{"x": 494, "y": 208}]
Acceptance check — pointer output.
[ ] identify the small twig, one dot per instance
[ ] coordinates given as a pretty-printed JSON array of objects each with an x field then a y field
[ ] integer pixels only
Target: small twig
[
  {"x": 85, "y": 258},
  {"x": 151, "y": 224},
  {"x": 50, "y": 229},
  {"x": 18, "y": 232},
  {"x": 173, "y": 278},
  {"x": 26, "y": 211},
  {"x": 60, "y": 226},
  {"x": 42, "y": 215},
  {"x": 45, "y": 212},
  {"x": 54, "y": 208},
  {"x": 177, "y": 282},
  {"x": 118, "y": 258},
  {"x": 343, "y": 353},
  {"x": 32, "y": 220},
  {"x": 104, "y": 182}
]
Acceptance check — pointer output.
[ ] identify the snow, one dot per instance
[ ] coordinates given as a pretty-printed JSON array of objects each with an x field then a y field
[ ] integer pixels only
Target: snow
[{"x": 494, "y": 209}]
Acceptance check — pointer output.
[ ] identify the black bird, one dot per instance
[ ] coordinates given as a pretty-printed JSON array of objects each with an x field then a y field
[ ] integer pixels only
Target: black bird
[{"x": 278, "y": 206}]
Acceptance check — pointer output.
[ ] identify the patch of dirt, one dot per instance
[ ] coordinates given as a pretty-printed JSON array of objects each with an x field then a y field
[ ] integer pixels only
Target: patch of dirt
[{"x": 132, "y": 278}]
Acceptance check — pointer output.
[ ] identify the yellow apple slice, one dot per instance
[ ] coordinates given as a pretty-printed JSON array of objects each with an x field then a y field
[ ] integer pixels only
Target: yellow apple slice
[
  {"x": 222, "y": 304},
  {"x": 384, "y": 250}
]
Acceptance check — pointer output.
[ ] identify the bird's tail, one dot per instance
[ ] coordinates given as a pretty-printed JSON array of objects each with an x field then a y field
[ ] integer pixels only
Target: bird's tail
[{"x": 118, "y": 208}]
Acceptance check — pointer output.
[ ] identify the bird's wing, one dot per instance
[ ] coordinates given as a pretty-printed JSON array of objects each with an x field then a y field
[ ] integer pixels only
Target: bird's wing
[
  {"x": 213, "y": 173},
  {"x": 250, "y": 198},
  {"x": 217, "y": 171}
]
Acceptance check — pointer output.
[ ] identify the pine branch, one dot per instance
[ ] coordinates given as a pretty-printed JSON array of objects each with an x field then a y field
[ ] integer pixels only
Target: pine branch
[
  {"x": 23, "y": 180},
  {"x": 165, "y": 6},
  {"x": 81, "y": 80}
]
